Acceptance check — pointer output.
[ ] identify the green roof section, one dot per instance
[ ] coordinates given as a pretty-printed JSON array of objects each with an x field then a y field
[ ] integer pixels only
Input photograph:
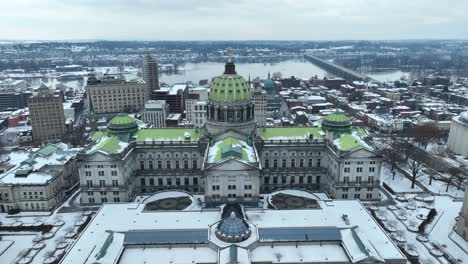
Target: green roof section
[
  {"x": 231, "y": 147},
  {"x": 98, "y": 135},
  {"x": 230, "y": 87},
  {"x": 227, "y": 145},
  {"x": 109, "y": 145},
  {"x": 168, "y": 134},
  {"x": 347, "y": 142},
  {"x": 122, "y": 119},
  {"x": 290, "y": 133}
]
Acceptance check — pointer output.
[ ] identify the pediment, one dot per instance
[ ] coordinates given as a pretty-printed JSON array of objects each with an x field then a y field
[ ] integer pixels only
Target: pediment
[{"x": 231, "y": 163}]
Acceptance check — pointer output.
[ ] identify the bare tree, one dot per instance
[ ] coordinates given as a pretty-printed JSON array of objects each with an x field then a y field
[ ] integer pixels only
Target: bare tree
[
  {"x": 423, "y": 135},
  {"x": 415, "y": 167},
  {"x": 456, "y": 177},
  {"x": 391, "y": 152},
  {"x": 276, "y": 75}
]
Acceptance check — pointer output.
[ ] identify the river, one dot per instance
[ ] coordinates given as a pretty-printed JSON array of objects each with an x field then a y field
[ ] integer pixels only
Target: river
[{"x": 201, "y": 71}]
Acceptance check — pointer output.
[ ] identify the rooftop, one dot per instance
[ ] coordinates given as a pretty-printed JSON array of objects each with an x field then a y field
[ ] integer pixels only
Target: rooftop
[
  {"x": 231, "y": 147},
  {"x": 276, "y": 133},
  {"x": 168, "y": 134},
  {"x": 37, "y": 166},
  {"x": 359, "y": 238}
]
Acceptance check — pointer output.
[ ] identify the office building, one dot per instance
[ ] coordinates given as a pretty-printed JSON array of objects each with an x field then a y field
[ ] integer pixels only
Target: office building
[{"x": 47, "y": 115}]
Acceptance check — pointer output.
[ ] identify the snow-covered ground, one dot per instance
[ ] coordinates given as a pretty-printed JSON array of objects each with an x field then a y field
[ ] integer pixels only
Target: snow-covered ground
[
  {"x": 400, "y": 184},
  {"x": 22, "y": 241}
]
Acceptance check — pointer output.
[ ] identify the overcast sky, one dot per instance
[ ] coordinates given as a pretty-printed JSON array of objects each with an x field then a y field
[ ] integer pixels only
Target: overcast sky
[{"x": 233, "y": 19}]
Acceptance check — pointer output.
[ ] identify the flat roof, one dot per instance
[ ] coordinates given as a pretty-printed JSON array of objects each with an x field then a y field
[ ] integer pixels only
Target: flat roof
[
  {"x": 361, "y": 235},
  {"x": 168, "y": 134}
]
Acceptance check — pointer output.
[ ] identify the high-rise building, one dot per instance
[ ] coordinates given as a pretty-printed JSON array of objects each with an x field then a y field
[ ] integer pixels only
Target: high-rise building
[
  {"x": 155, "y": 113},
  {"x": 150, "y": 74},
  {"x": 47, "y": 116},
  {"x": 13, "y": 94},
  {"x": 259, "y": 99}
]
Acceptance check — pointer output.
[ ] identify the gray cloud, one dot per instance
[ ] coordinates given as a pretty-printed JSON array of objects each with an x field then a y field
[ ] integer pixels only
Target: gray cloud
[{"x": 232, "y": 19}]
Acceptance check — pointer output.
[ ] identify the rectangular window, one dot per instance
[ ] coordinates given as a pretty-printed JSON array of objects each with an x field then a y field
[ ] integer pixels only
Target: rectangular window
[
  {"x": 102, "y": 183},
  {"x": 91, "y": 200},
  {"x": 310, "y": 163},
  {"x": 347, "y": 169},
  {"x": 177, "y": 164},
  {"x": 319, "y": 162},
  {"x": 358, "y": 179},
  {"x": 344, "y": 196},
  {"x": 104, "y": 199},
  {"x": 177, "y": 181},
  {"x": 159, "y": 164},
  {"x": 89, "y": 183},
  {"x": 357, "y": 196},
  {"x": 186, "y": 164},
  {"x": 275, "y": 180},
  {"x": 283, "y": 180},
  {"x": 293, "y": 163},
  {"x": 90, "y": 193},
  {"x": 115, "y": 183},
  {"x": 266, "y": 180},
  {"x": 150, "y": 164},
  {"x": 186, "y": 181},
  {"x": 369, "y": 196},
  {"x": 195, "y": 181},
  {"x": 168, "y": 164},
  {"x": 142, "y": 182},
  {"x": 283, "y": 163},
  {"x": 292, "y": 180},
  {"x": 160, "y": 182},
  {"x": 114, "y": 173},
  {"x": 370, "y": 179},
  {"x": 194, "y": 164},
  {"x": 345, "y": 179},
  {"x": 115, "y": 193},
  {"x": 142, "y": 165},
  {"x": 371, "y": 169},
  {"x": 101, "y": 173},
  {"x": 309, "y": 179},
  {"x": 87, "y": 173},
  {"x": 317, "y": 179},
  {"x": 116, "y": 199},
  {"x": 151, "y": 181},
  {"x": 169, "y": 181}
]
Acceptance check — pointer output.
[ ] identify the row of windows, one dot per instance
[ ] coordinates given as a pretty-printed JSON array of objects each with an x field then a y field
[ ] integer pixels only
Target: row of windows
[
  {"x": 358, "y": 189},
  {"x": 103, "y": 193},
  {"x": 33, "y": 206},
  {"x": 358, "y": 169},
  {"x": 292, "y": 163},
  {"x": 292, "y": 180},
  {"x": 168, "y": 164},
  {"x": 100, "y": 166},
  {"x": 356, "y": 196},
  {"x": 358, "y": 179},
  {"x": 169, "y": 181},
  {"x": 230, "y": 187},
  {"x": 102, "y": 183},
  {"x": 231, "y": 195},
  {"x": 30, "y": 195},
  {"x": 100, "y": 173},
  {"x": 104, "y": 200}
]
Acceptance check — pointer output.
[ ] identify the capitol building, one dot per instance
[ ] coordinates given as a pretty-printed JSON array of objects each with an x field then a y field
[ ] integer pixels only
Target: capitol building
[{"x": 230, "y": 159}]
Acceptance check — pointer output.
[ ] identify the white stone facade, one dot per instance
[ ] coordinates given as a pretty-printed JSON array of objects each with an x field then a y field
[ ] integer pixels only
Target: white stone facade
[{"x": 459, "y": 134}]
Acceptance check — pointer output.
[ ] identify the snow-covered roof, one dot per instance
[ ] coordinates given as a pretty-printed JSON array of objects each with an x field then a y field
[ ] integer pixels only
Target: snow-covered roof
[
  {"x": 37, "y": 166},
  {"x": 360, "y": 236}
]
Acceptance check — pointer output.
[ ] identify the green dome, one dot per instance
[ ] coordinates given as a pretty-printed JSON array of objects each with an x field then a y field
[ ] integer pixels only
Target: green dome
[
  {"x": 269, "y": 85},
  {"x": 122, "y": 124},
  {"x": 337, "y": 122},
  {"x": 230, "y": 87},
  {"x": 122, "y": 119}
]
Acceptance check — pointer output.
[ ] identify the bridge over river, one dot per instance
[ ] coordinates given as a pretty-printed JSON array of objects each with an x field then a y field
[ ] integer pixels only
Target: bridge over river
[{"x": 338, "y": 70}]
